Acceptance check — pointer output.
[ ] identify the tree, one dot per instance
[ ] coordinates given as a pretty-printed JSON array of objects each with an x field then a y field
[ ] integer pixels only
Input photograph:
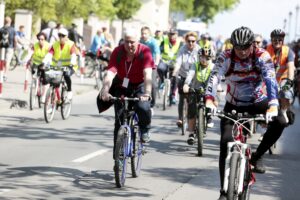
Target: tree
[
  {"x": 204, "y": 9},
  {"x": 126, "y": 9}
]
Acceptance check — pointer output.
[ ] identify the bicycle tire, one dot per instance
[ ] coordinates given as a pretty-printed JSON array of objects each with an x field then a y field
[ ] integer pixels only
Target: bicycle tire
[
  {"x": 90, "y": 65},
  {"x": 166, "y": 99},
  {"x": 137, "y": 152},
  {"x": 245, "y": 195},
  {"x": 121, "y": 157},
  {"x": 50, "y": 105},
  {"x": 232, "y": 192},
  {"x": 184, "y": 116},
  {"x": 13, "y": 63},
  {"x": 33, "y": 94},
  {"x": 66, "y": 105},
  {"x": 98, "y": 79},
  {"x": 201, "y": 131}
]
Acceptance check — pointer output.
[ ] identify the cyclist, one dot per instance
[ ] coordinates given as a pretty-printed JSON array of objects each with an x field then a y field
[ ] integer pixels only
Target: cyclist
[
  {"x": 283, "y": 59},
  {"x": 63, "y": 54},
  {"x": 40, "y": 49},
  {"x": 197, "y": 78},
  {"x": 7, "y": 44},
  {"x": 169, "y": 48},
  {"x": 186, "y": 57},
  {"x": 245, "y": 69},
  {"x": 149, "y": 41},
  {"x": 129, "y": 73}
]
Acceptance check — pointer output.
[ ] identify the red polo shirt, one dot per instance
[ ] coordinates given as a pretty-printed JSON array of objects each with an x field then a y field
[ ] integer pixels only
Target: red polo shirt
[{"x": 142, "y": 60}]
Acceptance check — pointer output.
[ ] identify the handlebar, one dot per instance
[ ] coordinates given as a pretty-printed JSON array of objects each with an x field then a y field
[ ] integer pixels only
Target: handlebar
[
  {"x": 234, "y": 116},
  {"x": 123, "y": 98}
]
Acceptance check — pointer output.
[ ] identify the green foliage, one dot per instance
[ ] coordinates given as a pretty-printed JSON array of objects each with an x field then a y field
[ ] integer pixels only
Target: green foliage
[
  {"x": 204, "y": 9},
  {"x": 126, "y": 8}
]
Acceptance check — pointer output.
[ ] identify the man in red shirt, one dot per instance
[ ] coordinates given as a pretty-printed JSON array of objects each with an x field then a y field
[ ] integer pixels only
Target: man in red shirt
[{"x": 129, "y": 73}]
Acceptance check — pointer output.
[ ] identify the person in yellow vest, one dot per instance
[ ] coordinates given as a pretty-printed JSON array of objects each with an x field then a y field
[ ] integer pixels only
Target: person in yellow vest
[
  {"x": 197, "y": 79},
  {"x": 283, "y": 59},
  {"x": 169, "y": 48},
  {"x": 63, "y": 54},
  {"x": 40, "y": 49}
]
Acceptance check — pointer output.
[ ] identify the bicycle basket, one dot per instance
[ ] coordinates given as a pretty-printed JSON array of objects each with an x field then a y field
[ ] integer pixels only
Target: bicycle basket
[{"x": 53, "y": 76}]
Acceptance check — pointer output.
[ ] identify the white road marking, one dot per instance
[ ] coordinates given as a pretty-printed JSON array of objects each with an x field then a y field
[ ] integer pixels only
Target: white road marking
[
  {"x": 91, "y": 155},
  {"x": 4, "y": 190}
]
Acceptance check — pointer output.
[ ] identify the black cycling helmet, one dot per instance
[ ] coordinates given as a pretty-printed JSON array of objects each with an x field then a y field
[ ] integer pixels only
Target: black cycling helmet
[
  {"x": 242, "y": 37},
  {"x": 206, "y": 51},
  {"x": 277, "y": 33}
]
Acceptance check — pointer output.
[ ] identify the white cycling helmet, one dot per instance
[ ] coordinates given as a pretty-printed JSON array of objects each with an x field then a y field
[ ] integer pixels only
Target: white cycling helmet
[{"x": 63, "y": 31}]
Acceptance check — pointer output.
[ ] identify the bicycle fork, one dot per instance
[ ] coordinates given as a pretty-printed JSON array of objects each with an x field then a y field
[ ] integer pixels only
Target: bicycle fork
[{"x": 239, "y": 148}]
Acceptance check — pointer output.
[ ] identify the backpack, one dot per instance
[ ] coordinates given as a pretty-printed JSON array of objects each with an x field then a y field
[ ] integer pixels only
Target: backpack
[{"x": 5, "y": 37}]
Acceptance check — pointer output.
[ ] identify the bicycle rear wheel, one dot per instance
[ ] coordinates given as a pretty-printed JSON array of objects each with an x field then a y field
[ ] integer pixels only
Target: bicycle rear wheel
[
  {"x": 66, "y": 105},
  {"x": 232, "y": 192},
  {"x": 50, "y": 105},
  {"x": 121, "y": 157},
  {"x": 184, "y": 116},
  {"x": 137, "y": 153},
  {"x": 201, "y": 130}
]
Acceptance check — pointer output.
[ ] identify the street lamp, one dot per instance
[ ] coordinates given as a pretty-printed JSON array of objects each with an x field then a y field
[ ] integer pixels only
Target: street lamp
[
  {"x": 284, "y": 24},
  {"x": 290, "y": 21},
  {"x": 296, "y": 21}
]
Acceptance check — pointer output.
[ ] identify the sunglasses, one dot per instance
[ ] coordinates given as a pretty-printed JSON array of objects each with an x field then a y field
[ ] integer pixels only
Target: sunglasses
[
  {"x": 242, "y": 47},
  {"x": 207, "y": 58},
  {"x": 257, "y": 42},
  {"x": 191, "y": 41},
  {"x": 61, "y": 35},
  {"x": 277, "y": 40}
]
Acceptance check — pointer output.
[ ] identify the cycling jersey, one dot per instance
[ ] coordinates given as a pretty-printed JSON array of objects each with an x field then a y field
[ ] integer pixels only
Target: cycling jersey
[
  {"x": 244, "y": 84},
  {"x": 186, "y": 58},
  {"x": 280, "y": 60}
]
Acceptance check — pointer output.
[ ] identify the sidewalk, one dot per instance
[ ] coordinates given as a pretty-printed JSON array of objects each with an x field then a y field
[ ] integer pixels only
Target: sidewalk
[{"x": 13, "y": 88}]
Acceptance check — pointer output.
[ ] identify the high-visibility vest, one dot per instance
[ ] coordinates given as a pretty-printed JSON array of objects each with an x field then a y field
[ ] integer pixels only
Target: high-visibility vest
[
  {"x": 40, "y": 53},
  {"x": 62, "y": 56},
  {"x": 202, "y": 74},
  {"x": 206, "y": 43},
  {"x": 170, "y": 54},
  {"x": 281, "y": 61}
]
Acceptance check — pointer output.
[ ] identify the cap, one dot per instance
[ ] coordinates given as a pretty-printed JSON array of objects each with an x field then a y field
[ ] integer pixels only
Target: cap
[{"x": 63, "y": 31}]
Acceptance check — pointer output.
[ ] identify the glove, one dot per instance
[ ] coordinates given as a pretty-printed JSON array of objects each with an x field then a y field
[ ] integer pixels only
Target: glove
[
  {"x": 186, "y": 88},
  {"x": 288, "y": 84},
  {"x": 211, "y": 106},
  {"x": 271, "y": 112}
]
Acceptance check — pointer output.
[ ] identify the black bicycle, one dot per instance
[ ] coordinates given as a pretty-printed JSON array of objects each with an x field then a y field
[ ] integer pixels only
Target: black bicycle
[{"x": 129, "y": 143}]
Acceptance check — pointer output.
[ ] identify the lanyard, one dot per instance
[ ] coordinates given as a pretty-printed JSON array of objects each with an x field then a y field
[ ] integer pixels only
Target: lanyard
[{"x": 126, "y": 69}]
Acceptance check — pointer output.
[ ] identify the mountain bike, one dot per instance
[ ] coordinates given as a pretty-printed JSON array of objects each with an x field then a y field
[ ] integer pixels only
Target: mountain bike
[
  {"x": 129, "y": 143},
  {"x": 56, "y": 94},
  {"x": 238, "y": 176},
  {"x": 201, "y": 117},
  {"x": 35, "y": 90}
]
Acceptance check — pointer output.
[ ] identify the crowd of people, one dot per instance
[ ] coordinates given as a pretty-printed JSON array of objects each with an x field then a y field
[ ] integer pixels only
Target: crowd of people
[{"x": 259, "y": 76}]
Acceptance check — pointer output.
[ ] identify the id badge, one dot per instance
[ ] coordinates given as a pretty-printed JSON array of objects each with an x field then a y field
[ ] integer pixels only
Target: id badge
[{"x": 125, "y": 82}]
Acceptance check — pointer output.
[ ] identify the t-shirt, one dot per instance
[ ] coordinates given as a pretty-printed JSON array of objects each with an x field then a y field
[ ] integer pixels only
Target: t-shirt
[
  {"x": 12, "y": 34},
  {"x": 152, "y": 44},
  {"x": 135, "y": 69}
]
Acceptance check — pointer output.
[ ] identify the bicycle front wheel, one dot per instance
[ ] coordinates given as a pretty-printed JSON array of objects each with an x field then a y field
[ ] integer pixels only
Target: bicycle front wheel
[
  {"x": 121, "y": 157},
  {"x": 245, "y": 195},
  {"x": 66, "y": 105},
  {"x": 233, "y": 183},
  {"x": 50, "y": 105},
  {"x": 201, "y": 130},
  {"x": 33, "y": 98},
  {"x": 184, "y": 116},
  {"x": 137, "y": 153},
  {"x": 166, "y": 93}
]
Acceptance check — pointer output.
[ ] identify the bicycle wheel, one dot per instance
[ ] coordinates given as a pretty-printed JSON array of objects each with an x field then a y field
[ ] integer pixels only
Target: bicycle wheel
[
  {"x": 245, "y": 195},
  {"x": 90, "y": 65},
  {"x": 66, "y": 105},
  {"x": 50, "y": 105},
  {"x": 184, "y": 116},
  {"x": 137, "y": 152},
  {"x": 166, "y": 94},
  {"x": 233, "y": 182},
  {"x": 121, "y": 157},
  {"x": 201, "y": 130},
  {"x": 33, "y": 97},
  {"x": 13, "y": 62},
  {"x": 98, "y": 78}
]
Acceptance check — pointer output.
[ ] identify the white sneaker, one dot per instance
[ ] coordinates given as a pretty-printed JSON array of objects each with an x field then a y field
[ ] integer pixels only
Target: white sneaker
[{"x": 70, "y": 95}]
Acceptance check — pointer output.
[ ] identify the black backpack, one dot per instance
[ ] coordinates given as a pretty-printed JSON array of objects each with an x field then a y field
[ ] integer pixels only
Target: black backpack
[{"x": 5, "y": 37}]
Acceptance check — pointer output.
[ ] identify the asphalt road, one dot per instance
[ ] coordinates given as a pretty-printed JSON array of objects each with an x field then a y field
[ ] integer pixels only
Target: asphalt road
[{"x": 72, "y": 159}]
